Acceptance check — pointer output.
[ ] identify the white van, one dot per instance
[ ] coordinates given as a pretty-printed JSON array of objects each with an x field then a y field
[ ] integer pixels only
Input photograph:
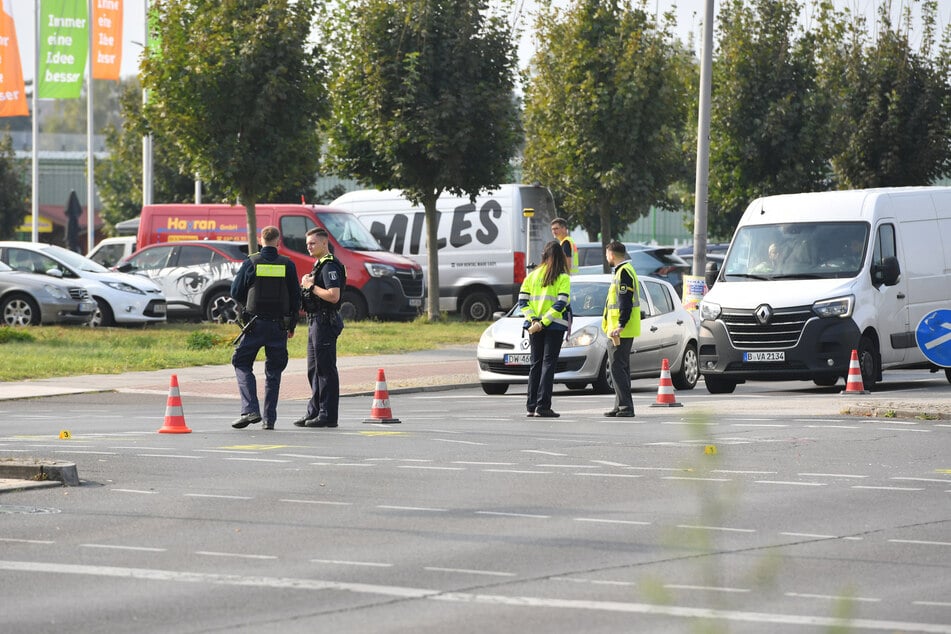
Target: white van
[
  {"x": 850, "y": 270},
  {"x": 483, "y": 249},
  {"x": 110, "y": 251}
]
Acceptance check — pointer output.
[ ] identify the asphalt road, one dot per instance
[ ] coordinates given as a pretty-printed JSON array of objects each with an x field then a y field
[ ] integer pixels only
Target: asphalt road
[{"x": 468, "y": 517}]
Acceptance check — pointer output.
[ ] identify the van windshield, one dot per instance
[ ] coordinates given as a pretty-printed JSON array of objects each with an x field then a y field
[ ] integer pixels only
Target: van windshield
[
  {"x": 349, "y": 232},
  {"x": 806, "y": 250}
]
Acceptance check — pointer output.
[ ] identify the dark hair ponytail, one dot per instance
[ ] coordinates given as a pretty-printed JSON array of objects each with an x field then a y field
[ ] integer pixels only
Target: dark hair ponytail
[{"x": 554, "y": 261}]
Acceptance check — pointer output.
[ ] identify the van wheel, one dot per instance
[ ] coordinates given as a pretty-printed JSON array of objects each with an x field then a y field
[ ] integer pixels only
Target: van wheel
[
  {"x": 103, "y": 315},
  {"x": 868, "y": 362},
  {"x": 689, "y": 373},
  {"x": 221, "y": 308},
  {"x": 719, "y": 385},
  {"x": 477, "y": 307},
  {"x": 495, "y": 389},
  {"x": 352, "y": 306}
]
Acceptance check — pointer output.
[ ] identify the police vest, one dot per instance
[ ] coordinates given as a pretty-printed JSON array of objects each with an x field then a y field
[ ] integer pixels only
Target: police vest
[
  {"x": 612, "y": 310},
  {"x": 311, "y": 302},
  {"x": 573, "y": 266},
  {"x": 268, "y": 296},
  {"x": 540, "y": 298}
]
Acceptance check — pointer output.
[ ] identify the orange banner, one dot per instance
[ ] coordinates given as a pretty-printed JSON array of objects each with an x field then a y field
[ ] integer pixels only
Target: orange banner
[
  {"x": 106, "y": 39},
  {"x": 12, "y": 93}
]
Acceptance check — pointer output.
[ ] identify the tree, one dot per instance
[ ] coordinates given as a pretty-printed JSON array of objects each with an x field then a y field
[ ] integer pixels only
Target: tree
[
  {"x": 769, "y": 122},
  {"x": 237, "y": 88},
  {"x": 422, "y": 101},
  {"x": 14, "y": 190},
  {"x": 606, "y": 111}
]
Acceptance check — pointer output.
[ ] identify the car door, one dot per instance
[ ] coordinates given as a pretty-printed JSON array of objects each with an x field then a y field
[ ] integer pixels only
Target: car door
[
  {"x": 645, "y": 351},
  {"x": 152, "y": 263},
  {"x": 663, "y": 330}
]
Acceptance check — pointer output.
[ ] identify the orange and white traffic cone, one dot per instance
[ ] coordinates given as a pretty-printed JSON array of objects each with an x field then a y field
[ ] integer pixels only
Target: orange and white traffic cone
[
  {"x": 380, "y": 411},
  {"x": 174, "y": 416},
  {"x": 665, "y": 388},
  {"x": 854, "y": 384}
]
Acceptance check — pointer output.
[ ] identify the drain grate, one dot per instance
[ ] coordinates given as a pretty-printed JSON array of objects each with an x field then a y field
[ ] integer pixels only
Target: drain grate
[{"x": 10, "y": 508}]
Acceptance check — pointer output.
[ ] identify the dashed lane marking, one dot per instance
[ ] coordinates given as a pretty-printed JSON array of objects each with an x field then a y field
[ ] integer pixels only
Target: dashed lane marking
[{"x": 492, "y": 573}]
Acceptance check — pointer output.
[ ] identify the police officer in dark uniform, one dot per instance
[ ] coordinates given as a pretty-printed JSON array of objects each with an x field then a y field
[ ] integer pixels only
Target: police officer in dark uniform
[
  {"x": 266, "y": 285},
  {"x": 320, "y": 294}
]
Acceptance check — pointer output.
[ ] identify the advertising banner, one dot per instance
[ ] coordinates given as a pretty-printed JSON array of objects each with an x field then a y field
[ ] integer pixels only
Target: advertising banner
[
  {"x": 106, "y": 39},
  {"x": 64, "y": 44},
  {"x": 12, "y": 93},
  {"x": 695, "y": 288}
]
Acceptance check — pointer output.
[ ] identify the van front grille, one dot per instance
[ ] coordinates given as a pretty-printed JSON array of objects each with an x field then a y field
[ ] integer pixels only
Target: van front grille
[
  {"x": 412, "y": 283},
  {"x": 782, "y": 330}
]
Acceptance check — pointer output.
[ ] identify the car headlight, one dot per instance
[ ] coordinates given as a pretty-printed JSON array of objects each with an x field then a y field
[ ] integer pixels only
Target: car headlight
[
  {"x": 487, "y": 340},
  {"x": 709, "y": 311},
  {"x": 838, "y": 307},
  {"x": 584, "y": 337},
  {"x": 55, "y": 291},
  {"x": 125, "y": 288},
  {"x": 379, "y": 270}
]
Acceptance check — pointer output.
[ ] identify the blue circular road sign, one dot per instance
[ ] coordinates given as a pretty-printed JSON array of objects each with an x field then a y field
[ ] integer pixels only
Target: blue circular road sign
[{"x": 933, "y": 336}]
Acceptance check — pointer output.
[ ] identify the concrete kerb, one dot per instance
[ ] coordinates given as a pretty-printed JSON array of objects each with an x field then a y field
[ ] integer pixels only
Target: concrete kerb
[{"x": 18, "y": 473}]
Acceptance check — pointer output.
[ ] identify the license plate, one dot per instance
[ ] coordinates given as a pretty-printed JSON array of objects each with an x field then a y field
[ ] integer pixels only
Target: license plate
[
  {"x": 160, "y": 309},
  {"x": 416, "y": 302},
  {"x": 86, "y": 307},
  {"x": 763, "y": 356},
  {"x": 517, "y": 359}
]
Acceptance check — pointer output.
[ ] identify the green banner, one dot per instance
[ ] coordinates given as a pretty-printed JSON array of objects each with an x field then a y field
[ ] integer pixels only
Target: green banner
[{"x": 64, "y": 45}]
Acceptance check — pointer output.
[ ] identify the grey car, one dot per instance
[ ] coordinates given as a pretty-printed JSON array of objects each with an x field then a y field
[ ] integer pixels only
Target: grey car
[
  {"x": 668, "y": 331},
  {"x": 30, "y": 299}
]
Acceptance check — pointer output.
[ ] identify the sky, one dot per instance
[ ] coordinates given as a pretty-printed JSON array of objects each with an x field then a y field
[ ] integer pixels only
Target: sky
[{"x": 689, "y": 20}]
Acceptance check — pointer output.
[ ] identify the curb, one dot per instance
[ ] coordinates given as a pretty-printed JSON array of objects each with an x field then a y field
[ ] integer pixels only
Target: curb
[{"x": 50, "y": 472}]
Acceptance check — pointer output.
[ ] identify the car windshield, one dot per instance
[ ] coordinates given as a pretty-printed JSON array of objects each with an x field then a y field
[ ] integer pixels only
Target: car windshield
[
  {"x": 587, "y": 299},
  {"x": 804, "y": 250},
  {"x": 74, "y": 260},
  {"x": 349, "y": 232}
]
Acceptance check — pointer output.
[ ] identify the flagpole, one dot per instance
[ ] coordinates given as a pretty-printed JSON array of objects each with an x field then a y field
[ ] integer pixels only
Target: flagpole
[
  {"x": 90, "y": 124},
  {"x": 35, "y": 234}
]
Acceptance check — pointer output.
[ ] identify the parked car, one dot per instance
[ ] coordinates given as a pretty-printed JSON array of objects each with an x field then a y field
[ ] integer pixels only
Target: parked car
[
  {"x": 121, "y": 299},
  {"x": 110, "y": 251},
  {"x": 659, "y": 262},
  {"x": 667, "y": 332},
  {"x": 29, "y": 299},
  {"x": 195, "y": 275}
]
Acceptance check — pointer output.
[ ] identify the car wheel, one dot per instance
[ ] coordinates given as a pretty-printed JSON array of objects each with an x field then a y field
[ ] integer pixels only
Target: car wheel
[
  {"x": 575, "y": 385},
  {"x": 221, "y": 308},
  {"x": 495, "y": 389},
  {"x": 604, "y": 384},
  {"x": 352, "y": 306},
  {"x": 103, "y": 315},
  {"x": 868, "y": 362},
  {"x": 19, "y": 310},
  {"x": 689, "y": 373},
  {"x": 718, "y": 384},
  {"x": 477, "y": 307}
]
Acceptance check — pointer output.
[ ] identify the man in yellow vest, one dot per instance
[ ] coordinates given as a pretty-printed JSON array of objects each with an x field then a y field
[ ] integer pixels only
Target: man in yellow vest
[
  {"x": 559, "y": 229},
  {"x": 621, "y": 322}
]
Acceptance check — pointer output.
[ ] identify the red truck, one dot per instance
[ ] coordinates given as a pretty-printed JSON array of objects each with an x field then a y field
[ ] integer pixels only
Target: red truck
[{"x": 379, "y": 283}]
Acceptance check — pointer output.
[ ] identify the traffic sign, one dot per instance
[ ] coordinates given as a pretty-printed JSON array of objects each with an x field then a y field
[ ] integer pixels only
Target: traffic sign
[{"x": 933, "y": 336}]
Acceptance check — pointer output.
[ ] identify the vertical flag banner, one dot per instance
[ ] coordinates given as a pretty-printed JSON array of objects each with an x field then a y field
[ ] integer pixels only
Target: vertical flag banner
[
  {"x": 106, "y": 39},
  {"x": 12, "y": 93},
  {"x": 64, "y": 44}
]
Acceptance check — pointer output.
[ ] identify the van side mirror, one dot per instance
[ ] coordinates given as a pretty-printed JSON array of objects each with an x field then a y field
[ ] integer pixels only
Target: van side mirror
[
  {"x": 887, "y": 272},
  {"x": 711, "y": 273}
]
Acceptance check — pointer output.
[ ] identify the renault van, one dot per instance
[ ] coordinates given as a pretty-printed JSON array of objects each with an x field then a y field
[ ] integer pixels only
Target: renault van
[
  {"x": 485, "y": 246},
  {"x": 379, "y": 283},
  {"x": 811, "y": 277}
]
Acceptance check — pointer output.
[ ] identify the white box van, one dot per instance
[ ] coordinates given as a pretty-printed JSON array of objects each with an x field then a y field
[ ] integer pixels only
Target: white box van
[
  {"x": 482, "y": 245},
  {"x": 850, "y": 270},
  {"x": 110, "y": 250}
]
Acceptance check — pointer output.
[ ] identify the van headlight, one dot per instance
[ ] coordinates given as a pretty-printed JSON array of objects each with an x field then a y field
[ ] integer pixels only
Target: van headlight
[
  {"x": 709, "y": 311},
  {"x": 376, "y": 269},
  {"x": 838, "y": 307},
  {"x": 584, "y": 337}
]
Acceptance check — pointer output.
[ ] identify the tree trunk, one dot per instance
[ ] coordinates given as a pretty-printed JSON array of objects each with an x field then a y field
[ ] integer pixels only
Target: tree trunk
[
  {"x": 252, "y": 227},
  {"x": 604, "y": 212},
  {"x": 432, "y": 257}
]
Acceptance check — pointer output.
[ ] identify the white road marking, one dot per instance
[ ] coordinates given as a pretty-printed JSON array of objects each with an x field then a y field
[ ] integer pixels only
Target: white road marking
[
  {"x": 717, "y": 528},
  {"x": 26, "y": 541},
  {"x": 411, "y": 508},
  {"x": 460, "y": 442},
  {"x": 259, "y": 460},
  {"x": 830, "y": 597},
  {"x": 429, "y": 467},
  {"x": 696, "y": 478},
  {"x": 501, "y": 514},
  {"x": 513, "y": 471},
  {"x": 608, "y": 475},
  {"x": 568, "y": 466},
  {"x": 923, "y": 431},
  {"x": 134, "y": 491},
  {"x": 675, "y": 586},
  {"x": 607, "y": 521},
  {"x": 491, "y": 573},
  {"x": 167, "y": 455},
  {"x": 743, "y": 472},
  {"x": 830, "y": 475},
  {"x": 940, "y": 604},
  {"x": 524, "y": 602},
  {"x": 859, "y": 486},
  {"x": 801, "y": 484},
  {"x": 342, "y": 562},
  {"x": 114, "y": 547},
  {"x": 94, "y": 453},
  {"x": 833, "y": 426},
  {"x": 242, "y": 452},
  {"x": 292, "y": 501},
  {"x": 211, "y": 553},
  {"x": 758, "y": 425},
  {"x": 919, "y": 541},
  {"x": 610, "y": 464},
  {"x": 485, "y": 464},
  {"x": 220, "y": 497},
  {"x": 544, "y": 453},
  {"x": 941, "y": 480}
]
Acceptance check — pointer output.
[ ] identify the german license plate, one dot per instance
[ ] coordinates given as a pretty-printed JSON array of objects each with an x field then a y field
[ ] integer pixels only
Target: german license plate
[
  {"x": 753, "y": 357},
  {"x": 160, "y": 309},
  {"x": 517, "y": 359},
  {"x": 86, "y": 307},
  {"x": 416, "y": 302}
]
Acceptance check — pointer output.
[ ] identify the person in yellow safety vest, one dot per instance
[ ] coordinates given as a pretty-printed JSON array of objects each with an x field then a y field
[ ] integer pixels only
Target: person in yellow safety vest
[
  {"x": 621, "y": 322},
  {"x": 543, "y": 301},
  {"x": 559, "y": 229}
]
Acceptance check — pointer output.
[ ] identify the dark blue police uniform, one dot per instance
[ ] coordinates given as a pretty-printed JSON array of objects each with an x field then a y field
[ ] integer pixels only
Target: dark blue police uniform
[
  {"x": 266, "y": 285},
  {"x": 325, "y": 326}
]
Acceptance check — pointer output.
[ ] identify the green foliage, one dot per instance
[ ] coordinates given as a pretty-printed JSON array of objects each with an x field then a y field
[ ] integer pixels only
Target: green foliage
[
  {"x": 8, "y": 334},
  {"x": 423, "y": 100},
  {"x": 238, "y": 88},
  {"x": 606, "y": 112},
  {"x": 203, "y": 340},
  {"x": 14, "y": 190}
]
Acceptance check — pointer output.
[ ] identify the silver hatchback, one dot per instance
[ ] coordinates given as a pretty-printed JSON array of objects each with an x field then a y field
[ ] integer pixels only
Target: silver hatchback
[{"x": 668, "y": 331}]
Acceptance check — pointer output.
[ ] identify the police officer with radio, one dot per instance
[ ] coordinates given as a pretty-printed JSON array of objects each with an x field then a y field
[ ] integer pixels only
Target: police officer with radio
[
  {"x": 266, "y": 286},
  {"x": 320, "y": 294}
]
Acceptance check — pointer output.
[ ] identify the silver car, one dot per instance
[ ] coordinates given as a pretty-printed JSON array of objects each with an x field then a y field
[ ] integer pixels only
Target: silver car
[
  {"x": 668, "y": 331},
  {"x": 121, "y": 298},
  {"x": 28, "y": 299}
]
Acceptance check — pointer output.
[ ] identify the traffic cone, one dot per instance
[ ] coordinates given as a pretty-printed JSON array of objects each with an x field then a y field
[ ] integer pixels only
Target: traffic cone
[
  {"x": 854, "y": 383},
  {"x": 174, "y": 416},
  {"x": 380, "y": 412},
  {"x": 665, "y": 388}
]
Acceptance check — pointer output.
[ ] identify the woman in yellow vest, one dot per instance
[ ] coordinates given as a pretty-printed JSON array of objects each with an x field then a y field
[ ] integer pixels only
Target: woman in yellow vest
[
  {"x": 543, "y": 300},
  {"x": 621, "y": 322}
]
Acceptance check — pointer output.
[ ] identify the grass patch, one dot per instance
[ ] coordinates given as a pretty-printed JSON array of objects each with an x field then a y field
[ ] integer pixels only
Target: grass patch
[{"x": 50, "y": 351}]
